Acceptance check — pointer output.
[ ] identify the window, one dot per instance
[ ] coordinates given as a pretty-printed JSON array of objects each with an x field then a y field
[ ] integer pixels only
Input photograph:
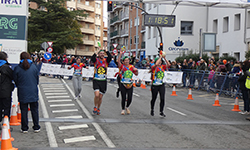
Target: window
[
  {"x": 149, "y": 32},
  {"x": 99, "y": 5},
  {"x": 131, "y": 6},
  {"x": 126, "y": 41},
  {"x": 86, "y": 37},
  {"x": 215, "y": 26},
  {"x": 186, "y": 27},
  {"x": 237, "y": 22},
  {"x": 79, "y": 1},
  {"x": 155, "y": 5},
  {"x": 155, "y": 31},
  {"x": 87, "y": 3},
  {"x": 248, "y": 19},
  {"x": 98, "y": 38},
  {"x": 86, "y": 48},
  {"x": 87, "y": 25},
  {"x": 131, "y": 23},
  {"x": 225, "y": 54},
  {"x": 137, "y": 21},
  {"x": 135, "y": 39},
  {"x": 96, "y": 5},
  {"x": 149, "y": 6},
  {"x": 225, "y": 24},
  {"x": 131, "y": 41}
]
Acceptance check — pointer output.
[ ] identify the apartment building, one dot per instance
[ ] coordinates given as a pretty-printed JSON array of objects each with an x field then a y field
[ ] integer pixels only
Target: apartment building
[
  {"x": 122, "y": 28},
  {"x": 92, "y": 26},
  {"x": 105, "y": 36}
]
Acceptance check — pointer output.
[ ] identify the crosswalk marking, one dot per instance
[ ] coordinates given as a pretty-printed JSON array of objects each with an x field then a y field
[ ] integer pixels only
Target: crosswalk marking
[
  {"x": 55, "y": 88},
  {"x": 71, "y": 117},
  {"x": 52, "y": 91},
  {"x": 66, "y": 96},
  {"x": 64, "y": 110},
  {"x": 73, "y": 126},
  {"x": 62, "y": 105},
  {"x": 56, "y": 93},
  {"x": 79, "y": 139},
  {"x": 58, "y": 101}
]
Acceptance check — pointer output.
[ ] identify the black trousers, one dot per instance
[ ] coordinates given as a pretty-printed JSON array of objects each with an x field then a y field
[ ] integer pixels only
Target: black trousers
[
  {"x": 126, "y": 94},
  {"x": 5, "y": 106},
  {"x": 154, "y": 91},
  {"x": 34, "y": 114},
  {"x": 118, "y": 82}
]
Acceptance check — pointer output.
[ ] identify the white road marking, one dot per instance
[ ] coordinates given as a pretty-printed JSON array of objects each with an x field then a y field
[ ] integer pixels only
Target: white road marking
[
  {"x": 71, "y": 117},
  {"x": 58, "y": 101},
  {"x": 52, "y": 91},
  {"x": 136, "y": 94},
  {"x": 48, "y": 126},
  {"x": 77, "y": 126},
  {"x": 55, "y": 88},
  {"x": 51, "y": 85},
  {"x": 104, "y": 136},
  {"x": 178, "y": 112},
  {"x": 56, "y": 93},
  {"x": 66, "y": 96},
  {"x": 61, "y": 105},
  {"x": 64, "y": 110},
  {"x": 79, "y": 139}
]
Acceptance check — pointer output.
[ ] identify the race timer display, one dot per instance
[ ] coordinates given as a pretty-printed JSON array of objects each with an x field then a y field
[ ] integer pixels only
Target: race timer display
[{"x": 159, "y": 20}]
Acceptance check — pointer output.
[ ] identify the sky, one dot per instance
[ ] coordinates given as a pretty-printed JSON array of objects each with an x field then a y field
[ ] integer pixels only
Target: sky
[{"x": 105, "y": 14}]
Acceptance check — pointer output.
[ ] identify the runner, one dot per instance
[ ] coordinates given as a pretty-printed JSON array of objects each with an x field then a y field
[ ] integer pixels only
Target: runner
[
  {"x": 77, "y": 77},
  {"x": 126, "y": 84},
  {"x": 158, "y": 85},
  {"x": 100, "y": 77}
]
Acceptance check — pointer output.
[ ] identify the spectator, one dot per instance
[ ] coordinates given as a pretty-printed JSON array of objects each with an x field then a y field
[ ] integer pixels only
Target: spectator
[
  {"x": 6, "y": 85},
  {"x": 138, "y": 64},
  {"x": 184, "y": 67},
  {"x": 26, "y": 79}
]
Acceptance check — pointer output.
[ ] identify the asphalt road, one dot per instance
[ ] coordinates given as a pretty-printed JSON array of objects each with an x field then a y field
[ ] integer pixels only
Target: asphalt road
[{"x": 190, "y": 124}]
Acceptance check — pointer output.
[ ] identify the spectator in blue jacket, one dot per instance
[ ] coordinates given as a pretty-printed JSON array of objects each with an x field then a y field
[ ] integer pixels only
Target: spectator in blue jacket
[
  {"x": 26, "y": 77},
  {"x": 112, "y": 64},
  {"x": 138, "y": 64}
]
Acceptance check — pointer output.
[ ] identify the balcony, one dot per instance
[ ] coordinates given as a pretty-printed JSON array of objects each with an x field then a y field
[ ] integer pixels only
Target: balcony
[
  {"x": 105, "y": 38},
  {"x": 87, "y": 31},
  {"x": 124, "y": 32},
  {"x": 96, "y": 43},
  {"x": 117, "y": 5},
  {"x": 114, "y": 34},
  {"x": 115, "y": 19},
  {"x": 124, "y": 16},
  {"x": 88, "y": 42},
  {"x": 98, "y": 22},
  {"x": 143, "y": 45},
  {"x": 98, "y": 33},
  {"x": 98, "y": 11},
  {"x": 85, "y": 7},
  {"x": 87, "y": 19},
  {"x": 143, "y": 28},
  {"x": 71, "y": 4}
]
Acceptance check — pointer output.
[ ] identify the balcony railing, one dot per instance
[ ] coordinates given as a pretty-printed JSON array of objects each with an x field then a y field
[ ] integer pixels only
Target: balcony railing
[
  {"x": 115, "y": 33},
  {"x": 125, "y": 16},
  {"x": 116, "y": 18},
  {"x": 124, "y": 32},
  {"x": 88, "y": 31},
  {"x": 143, "y": 45},
  {"x": 85, "y": 7}
]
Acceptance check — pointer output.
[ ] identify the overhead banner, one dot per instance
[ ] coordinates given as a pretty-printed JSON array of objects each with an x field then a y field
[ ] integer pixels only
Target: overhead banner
[
  {"x": 143, "y": 74},
  {"x": 14, "y": 7}
]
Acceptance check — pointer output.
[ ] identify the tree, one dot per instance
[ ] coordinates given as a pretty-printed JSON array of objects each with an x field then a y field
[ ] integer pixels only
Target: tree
[{"x": 54, "y": 23}]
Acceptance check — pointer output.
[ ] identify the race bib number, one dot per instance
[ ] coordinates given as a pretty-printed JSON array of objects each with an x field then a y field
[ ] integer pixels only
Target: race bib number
[
  {"x": 78, "y": 72},
  {"x": 159, "y": 78},
  {"x": 101, "y": 73}
]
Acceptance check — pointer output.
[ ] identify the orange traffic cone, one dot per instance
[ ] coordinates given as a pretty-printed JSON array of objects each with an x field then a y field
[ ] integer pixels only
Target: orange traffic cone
[
  {"x": 6, "y": 142},
  {"x": 18, "y": 113},
  {"x": 190, "y": 95},
  {"x": 143, "y": 85},
  {"x": 6, "y": 121},
  {"x": 134, "y": 84},
  {"x": 236, "y": 105},
  {"x": 217, "y": 102},
  {"x": 174, "y": 92},
  {"x": 13, "y": 117}
]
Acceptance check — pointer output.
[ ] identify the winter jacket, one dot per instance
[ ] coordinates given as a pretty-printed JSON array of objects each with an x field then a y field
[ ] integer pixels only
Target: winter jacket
[
  {"x": 242, "y": 81},
  {"x": 6, "y": 77},
  {"x": 236, "y": 68},
  {"x": 26, "y": 82},
  {"x": 112, "y": 64}
]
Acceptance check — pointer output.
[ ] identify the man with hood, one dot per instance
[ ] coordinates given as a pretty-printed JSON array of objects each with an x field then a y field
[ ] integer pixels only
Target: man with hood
[{"x": 6, "y": 86}]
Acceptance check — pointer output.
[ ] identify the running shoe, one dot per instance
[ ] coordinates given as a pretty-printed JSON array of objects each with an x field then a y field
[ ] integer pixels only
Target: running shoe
[
  {"x": 76, "y": 98},
  {"x": 36, "y": 131},
  {"x": 244, "y": 112},
  {"x": 128, "y": 111},
  {"x": 162, "y": 114},
  {"x": 79, "y": 95},
  {"x": 95, "y": 111},
  {"x": 123, "y": 112},
  {"x": 98, "y": 112},
  {"x": 152, "y": 113}
]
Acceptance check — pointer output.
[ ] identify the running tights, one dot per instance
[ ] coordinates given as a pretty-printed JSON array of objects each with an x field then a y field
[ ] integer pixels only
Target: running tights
[
  {"x": 77, "y": 84},
  {"x": 126, "y": 93},
  {"x": 154, "y": 91}
]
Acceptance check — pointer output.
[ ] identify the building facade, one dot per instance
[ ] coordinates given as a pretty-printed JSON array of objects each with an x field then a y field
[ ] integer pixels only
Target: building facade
[
  {"x": 231, "y": 25},
  {"x": 92, "y": 26},
  {"x": 122, "y": 29}
]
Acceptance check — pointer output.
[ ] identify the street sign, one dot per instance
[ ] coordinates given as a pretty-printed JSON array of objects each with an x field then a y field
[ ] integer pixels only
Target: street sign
[
  {"x": 50, "y": 49},
  {"x": 50, "y": 44},
  {"x": 47, "y": 56},
  {"x": 115, "y": 45},
  {"x": 159, "y": 20},
  {"x": 44, "y": 45},
  {"x": 115, "y": 51}
]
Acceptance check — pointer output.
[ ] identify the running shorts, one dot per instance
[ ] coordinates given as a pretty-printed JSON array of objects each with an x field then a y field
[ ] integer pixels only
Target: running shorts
[{"x": 100, "y": 86}]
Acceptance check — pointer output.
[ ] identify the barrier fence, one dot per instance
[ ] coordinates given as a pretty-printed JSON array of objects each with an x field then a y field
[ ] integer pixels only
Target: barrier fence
[{"x": 217, "y": 82}]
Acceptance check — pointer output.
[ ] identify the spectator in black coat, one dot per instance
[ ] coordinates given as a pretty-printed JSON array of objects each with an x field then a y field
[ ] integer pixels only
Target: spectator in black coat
[{"x": 6, "y": 86}]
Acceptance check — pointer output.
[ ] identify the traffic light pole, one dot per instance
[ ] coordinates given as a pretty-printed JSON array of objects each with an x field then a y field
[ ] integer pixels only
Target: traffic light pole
[{"x": 128, "y": 4}]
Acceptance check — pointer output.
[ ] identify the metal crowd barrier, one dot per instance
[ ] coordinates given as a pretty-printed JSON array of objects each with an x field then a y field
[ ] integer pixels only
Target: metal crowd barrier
[{"x": 217, "y": 82}]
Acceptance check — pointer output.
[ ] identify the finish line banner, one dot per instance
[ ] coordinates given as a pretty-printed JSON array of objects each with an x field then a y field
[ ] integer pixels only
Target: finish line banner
[{"x": 170, "y": 76}]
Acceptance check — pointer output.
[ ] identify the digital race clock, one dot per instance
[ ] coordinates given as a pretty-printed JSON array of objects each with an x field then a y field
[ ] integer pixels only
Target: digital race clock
[{"x": 159, "y": 20}]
